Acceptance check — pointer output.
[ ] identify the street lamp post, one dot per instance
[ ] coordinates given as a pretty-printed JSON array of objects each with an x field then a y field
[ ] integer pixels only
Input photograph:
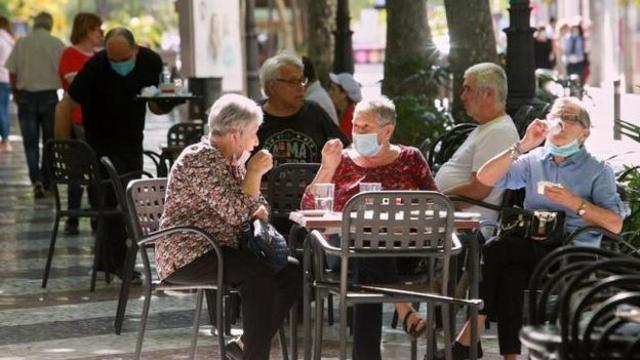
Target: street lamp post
[
  {"x": 251, "y": 43},
  {"x": 343, "y": 55},
  {"x": 520, "y": 57}
]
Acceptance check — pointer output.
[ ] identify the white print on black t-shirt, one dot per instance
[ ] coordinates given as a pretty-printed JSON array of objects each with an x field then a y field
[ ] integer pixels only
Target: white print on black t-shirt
[{"x": 290, "y": 146}]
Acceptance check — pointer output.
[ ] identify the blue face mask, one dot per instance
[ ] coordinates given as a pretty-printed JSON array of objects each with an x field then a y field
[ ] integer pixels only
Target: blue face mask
[
  {"x": 564, "y": 150},
  {"x": 123, "y": 68},
  {"x": 366, "y": 144}
]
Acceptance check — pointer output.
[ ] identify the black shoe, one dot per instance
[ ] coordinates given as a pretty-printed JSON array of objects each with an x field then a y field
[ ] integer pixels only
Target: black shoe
[
  {"x": 39, "y": 191},
  {"x": 458, "y": 352},
  {"x": 233, "y": 351},
  {"x": 71, "y": 228},
  {"x": 136, "y": 277}
]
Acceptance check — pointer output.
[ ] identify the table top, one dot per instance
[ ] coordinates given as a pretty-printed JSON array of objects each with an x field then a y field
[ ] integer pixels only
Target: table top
[{"x": 318, "y": 219}]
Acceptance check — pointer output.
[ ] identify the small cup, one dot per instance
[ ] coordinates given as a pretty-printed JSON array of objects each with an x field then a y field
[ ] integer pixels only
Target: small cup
[
  {"x": 323, "y": 194},
  {"x": 543, "y": 184},
  {"x": 370, "y": 186}
]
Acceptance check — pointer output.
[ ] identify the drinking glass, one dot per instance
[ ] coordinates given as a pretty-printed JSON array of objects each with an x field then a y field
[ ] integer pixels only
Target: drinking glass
[
  {"x": 370, "y": 186},
  {"x": 323, "y": 194}
]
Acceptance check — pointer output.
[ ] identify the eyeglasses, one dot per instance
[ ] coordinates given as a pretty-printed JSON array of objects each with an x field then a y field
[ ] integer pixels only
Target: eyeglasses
[
  {"x": 296, "y": 82},
  {"x": 566, "y": 118}
]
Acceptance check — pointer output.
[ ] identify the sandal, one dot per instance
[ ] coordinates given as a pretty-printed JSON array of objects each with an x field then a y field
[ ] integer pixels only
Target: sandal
[{"x": 414, "y": 328}]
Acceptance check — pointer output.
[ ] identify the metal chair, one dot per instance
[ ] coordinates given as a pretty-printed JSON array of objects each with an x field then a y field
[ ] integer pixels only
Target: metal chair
[
  {"x": 179, "y": 136},
  {"x": 385, "y": 224},
  {"x": 119, "y": 183},
  {"x": 441, "y": 150},
  {"x": 145, "y": 204},
  {"x": 73, "y": 162}
]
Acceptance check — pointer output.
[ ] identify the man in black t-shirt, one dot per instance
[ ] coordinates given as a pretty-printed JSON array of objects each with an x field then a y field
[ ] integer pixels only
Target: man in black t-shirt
[
  {"x": 294, "y": 130},
  {"x": 106, "y": 88}
]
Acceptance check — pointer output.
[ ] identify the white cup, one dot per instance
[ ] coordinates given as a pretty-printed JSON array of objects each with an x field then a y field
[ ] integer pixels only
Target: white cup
[
  {"x": 323, "y": 195},
  {"x": 543, "y": 184}
]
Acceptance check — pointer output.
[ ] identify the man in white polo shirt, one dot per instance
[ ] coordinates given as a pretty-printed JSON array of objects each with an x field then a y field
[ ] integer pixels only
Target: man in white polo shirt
[{"x": 484, "y": 97}]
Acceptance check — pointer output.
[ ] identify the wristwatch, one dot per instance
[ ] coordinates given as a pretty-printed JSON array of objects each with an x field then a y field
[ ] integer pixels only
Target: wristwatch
[{"x": 582, "y": 209}]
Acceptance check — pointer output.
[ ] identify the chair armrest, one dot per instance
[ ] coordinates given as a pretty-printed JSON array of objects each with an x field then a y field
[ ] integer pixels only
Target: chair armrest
[
  {"x": 321, "y": 243},
  {"x": 595, "y": 228},
  {"x": 468, "y": 200}
]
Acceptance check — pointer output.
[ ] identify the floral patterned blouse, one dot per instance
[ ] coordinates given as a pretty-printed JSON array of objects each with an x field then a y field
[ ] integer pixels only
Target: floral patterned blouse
[
  {"x": 409, "y": 171},
  {"x": 203, "y": 191}
]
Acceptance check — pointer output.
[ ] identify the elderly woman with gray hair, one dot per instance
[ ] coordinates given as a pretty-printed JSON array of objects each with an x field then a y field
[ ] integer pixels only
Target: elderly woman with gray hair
[
  {"x": 211, "y": 188},
  {"x": 372, "y": 158}
]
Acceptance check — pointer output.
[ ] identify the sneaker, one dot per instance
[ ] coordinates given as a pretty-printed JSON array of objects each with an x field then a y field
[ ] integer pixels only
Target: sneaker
[
  {"x": 71, "y": 228},
  {"x": 458, "y": 352},
  {"x": 39, "y": 191},
  {"x": 233, "y": 351}
]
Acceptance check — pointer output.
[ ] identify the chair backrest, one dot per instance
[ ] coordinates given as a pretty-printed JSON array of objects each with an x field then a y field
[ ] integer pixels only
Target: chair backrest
[
  {"x": 287, "y": 183},
  {"x": 184, "y": 134},
  {"x": 72, "y": 162},
  {"x": 446, "y": 144},
  {"x": 398, "y": 221},
  {"x": 145, "y": 203},
  {"x": 523, "y": 117}
]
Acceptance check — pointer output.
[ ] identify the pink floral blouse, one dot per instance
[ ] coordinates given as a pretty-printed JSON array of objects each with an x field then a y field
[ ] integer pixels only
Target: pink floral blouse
[
  {"x": 205, "y": 192},
  {"x": 409, "y": 171}
]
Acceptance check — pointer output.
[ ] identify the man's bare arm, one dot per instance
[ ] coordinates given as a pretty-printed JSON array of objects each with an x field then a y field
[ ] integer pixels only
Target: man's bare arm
[
  {"x": 474, "y": 189},
  {"x": 62, "y": 124}
]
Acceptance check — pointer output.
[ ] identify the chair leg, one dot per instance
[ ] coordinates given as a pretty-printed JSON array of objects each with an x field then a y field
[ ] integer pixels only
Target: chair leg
[
  {"x": 330, "y": 318},
  {"x": 293, "y": 330},
  {"x": 343, "y": 327},
  {"x": 52, "y": 246},
  {"x": 130, "y": 263},
  {"x": 317, "y": 338},
  {"x": 283, "y": 343},
  {"x": 447, "y": 330},
  {"x": 97, "y": 252},
  {"x": 220, "y": 320},
  {"x": 143, "y": 321},
  {"x": 431, "y": 338},
  {"x": 196, "y": 324},
  {"x": 306, "y": 317}
]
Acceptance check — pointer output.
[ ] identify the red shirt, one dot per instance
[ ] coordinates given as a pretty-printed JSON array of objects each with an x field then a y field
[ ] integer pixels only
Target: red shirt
[
  {"x": 71, "y": 62},
  {"x": 346, "y": 122},
  {"x": 409, "y": 171}
]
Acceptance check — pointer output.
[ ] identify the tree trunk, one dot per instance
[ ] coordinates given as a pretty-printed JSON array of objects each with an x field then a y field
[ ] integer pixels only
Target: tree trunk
[
  {"x": 321, "y": 15},
  {"x": 472, "y": 41},
  {"x": 298, "y": 23},
  {"x": 408, "y": 47},
  {"x": 596, "y": 38},
  {"x": 285, "y": 26}
]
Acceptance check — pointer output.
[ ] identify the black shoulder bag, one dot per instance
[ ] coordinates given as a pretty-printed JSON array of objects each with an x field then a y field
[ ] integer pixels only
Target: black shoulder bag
[
  {"x": 265, "y": 242},
  {"x": 544, "y": 226}
]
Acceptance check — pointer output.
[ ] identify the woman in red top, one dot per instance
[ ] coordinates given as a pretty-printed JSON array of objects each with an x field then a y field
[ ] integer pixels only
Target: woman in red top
[
  {"x": 373, "y": 159},
  {"x": 86, "y": 35}
]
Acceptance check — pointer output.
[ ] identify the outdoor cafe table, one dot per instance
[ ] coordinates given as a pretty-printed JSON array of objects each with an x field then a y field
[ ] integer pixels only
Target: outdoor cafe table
[{"x": 330, "y": 222}]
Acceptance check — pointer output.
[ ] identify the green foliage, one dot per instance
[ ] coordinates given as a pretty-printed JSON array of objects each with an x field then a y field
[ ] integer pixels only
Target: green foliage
[
  {"x": 418, "y": 120},
  {"x": 631, "y": 228}
]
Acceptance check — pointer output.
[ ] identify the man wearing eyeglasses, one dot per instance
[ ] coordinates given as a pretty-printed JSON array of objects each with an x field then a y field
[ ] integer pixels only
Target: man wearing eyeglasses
[{"x": 294, "y": 130}]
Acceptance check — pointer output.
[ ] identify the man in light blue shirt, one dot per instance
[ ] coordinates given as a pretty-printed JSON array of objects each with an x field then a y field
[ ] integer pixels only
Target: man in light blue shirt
[{"x": 561, "y": 176}]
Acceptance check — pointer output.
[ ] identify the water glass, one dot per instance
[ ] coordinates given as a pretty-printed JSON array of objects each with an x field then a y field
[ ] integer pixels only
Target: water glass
[
  {"x": 323, "y": 194},
  {"x": 370, "y": 186}
]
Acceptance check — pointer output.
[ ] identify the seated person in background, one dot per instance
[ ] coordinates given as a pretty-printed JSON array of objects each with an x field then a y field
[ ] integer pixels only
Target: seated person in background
[
  {"x": 587, "y": 196},
  {"x": 345, "y": 94},
  {"x": 484, "y": 96},
  {"x": 294, "y": 130},
  {"x": 314, "y": 91},
  {"x": 373, "y": 159},
  {"x": 210, "y": 188}
]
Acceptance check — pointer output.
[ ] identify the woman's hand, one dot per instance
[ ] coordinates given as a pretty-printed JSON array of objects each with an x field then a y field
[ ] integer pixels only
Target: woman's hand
[
  {"x": 331, "y": 154},
  {"x": 535, "y": 135},
  {"x": 562, "y": 196},
  {"x": 260, "y": 163},
  {"x": 262, "y": 213}
]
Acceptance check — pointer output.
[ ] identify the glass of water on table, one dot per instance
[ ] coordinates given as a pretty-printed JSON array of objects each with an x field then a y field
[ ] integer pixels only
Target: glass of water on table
[{"x": 323, "y": 195}]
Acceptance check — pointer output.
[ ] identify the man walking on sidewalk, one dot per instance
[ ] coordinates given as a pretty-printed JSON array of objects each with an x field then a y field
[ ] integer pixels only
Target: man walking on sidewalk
[{"x": 33, "y": 69}]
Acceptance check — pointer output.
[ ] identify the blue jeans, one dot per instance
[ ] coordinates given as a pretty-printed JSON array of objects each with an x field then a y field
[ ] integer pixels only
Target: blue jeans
[
  {"x": 74, "y": 192},
  {"x": 5, "y": 121},
  {"x": 36, "y": 111}
]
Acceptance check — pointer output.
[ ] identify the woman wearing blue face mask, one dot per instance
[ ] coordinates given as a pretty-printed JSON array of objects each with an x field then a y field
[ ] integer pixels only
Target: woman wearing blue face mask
[
  {"x": 372, "y": 158},
  {"x": 582, "y": 187}
]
